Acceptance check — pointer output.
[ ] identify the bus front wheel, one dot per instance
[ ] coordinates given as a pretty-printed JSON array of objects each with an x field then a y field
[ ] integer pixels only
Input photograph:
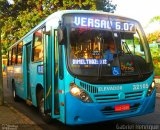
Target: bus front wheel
[{"x": 46, "y": 117}]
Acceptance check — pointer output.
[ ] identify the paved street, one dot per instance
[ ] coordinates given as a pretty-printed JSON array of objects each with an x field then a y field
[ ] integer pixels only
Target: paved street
[{"x": 128, "y": 123}]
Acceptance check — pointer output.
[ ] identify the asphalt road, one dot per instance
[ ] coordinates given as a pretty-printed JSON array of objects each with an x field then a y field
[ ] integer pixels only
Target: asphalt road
[{"x": 145, "y": 122}]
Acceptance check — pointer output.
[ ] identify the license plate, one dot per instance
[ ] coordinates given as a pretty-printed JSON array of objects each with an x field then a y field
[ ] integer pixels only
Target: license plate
[{"x": 123, "y": 107}]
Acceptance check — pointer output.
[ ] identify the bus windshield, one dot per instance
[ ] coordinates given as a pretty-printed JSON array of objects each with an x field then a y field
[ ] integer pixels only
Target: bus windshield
[{"x": 116, "y": 50}]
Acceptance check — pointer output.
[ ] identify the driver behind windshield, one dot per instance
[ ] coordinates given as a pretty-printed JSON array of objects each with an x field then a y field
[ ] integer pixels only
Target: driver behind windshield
[{"x": 110, "y": 49}]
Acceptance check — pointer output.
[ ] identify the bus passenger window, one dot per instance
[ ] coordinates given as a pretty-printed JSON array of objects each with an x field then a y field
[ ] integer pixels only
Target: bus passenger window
[
  {"x": 19, "y": 54},
  {"x": 13, "y": 60},
  {"x": 38, "y": 46}
]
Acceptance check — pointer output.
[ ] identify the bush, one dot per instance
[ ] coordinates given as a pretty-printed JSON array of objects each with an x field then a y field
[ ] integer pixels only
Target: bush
[{"x": 156, "y": 60}]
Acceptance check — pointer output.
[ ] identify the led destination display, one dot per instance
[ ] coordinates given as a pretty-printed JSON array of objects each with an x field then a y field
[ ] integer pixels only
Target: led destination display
[
  {"x": 89, "y": 61},
  {"x": 91, "y": 21}
]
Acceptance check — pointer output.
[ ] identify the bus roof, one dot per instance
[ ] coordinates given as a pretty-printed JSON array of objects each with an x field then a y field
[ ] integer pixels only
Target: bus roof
[
  {"x": 91, "y": 12},
  {"x": 60, "y": 13}
]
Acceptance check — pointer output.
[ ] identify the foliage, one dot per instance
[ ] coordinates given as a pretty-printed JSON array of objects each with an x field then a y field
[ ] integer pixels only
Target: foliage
[
  {"x": 136, "y": 40},
  {"x": 153, "y": 37},
  {"x": 109, "y": 7},
  {"x": 156, "y": 59},
  {"x": 155, "y": 19}
]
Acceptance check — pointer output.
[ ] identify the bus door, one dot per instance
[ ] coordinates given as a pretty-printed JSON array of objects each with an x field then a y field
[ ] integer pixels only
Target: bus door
[
  {"x": 28, "y": 64},
  {"x": 51, "y": 75}
]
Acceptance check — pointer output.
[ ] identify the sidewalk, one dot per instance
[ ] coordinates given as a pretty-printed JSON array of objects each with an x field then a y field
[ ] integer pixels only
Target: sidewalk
[
  {"x": 11, "y": 119},
  {"x": 158, "y": 90}
]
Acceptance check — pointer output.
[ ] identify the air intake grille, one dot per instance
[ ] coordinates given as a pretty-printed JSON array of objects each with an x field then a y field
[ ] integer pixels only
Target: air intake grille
[
  {"x": 102, "y": 98},
  {"x": 89, "y": 88},
  {"x": 133, "y": 95}
]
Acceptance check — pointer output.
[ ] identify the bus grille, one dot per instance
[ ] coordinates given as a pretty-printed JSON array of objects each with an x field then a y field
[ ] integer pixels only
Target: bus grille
[
  {"x": 89, "y": 88},
  {"x": 103, "y": 98},
  {"x": 134, "y": 95},
  {"x": 110, "y": 110}
]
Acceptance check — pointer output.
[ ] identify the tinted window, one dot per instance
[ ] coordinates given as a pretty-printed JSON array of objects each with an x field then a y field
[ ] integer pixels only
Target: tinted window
[
  {"x": 19, "y": 53},
  {"x": 14, "y": 50},
  {"x": 38, "y": 46}
]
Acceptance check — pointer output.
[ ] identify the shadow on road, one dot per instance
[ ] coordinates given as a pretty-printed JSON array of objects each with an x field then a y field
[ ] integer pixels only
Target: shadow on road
[{"x": 109, "y": 125}]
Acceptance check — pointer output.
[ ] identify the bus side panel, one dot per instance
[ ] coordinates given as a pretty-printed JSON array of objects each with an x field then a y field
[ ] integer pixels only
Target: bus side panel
[
  {"x": 18, "y": 80},
  {"x": 62, "y": 86},
  {"x": 36, "y": 78},
  {"x": 27, "y": 40},
  {"x": 15, "y": 75},
  {"x": 24, "y": 73}
]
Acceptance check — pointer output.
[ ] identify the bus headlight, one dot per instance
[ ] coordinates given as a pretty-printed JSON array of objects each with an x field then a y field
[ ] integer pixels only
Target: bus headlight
[
  {"x": 79, "y": 93},
  {"x": 151, "y": 88}
]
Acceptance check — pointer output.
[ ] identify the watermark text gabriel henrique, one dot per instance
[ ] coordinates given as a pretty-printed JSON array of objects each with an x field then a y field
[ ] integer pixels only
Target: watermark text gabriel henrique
[{"x": 137, "y": 127}]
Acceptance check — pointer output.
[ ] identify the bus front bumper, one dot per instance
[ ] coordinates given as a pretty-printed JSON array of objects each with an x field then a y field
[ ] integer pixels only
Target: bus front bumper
[{"x": 78, "y": 112}]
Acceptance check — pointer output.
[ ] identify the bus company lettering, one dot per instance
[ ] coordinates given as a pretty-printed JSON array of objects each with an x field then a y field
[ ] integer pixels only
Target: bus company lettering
[{"x": 112, "y": 88}]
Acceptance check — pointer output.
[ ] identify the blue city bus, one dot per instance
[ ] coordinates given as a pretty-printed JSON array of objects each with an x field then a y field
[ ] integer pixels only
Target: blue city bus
[{"x": 62, "y": 66}]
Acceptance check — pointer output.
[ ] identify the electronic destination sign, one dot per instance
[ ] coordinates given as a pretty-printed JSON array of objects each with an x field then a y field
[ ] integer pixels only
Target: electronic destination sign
[{"x": 98, "y": 21}]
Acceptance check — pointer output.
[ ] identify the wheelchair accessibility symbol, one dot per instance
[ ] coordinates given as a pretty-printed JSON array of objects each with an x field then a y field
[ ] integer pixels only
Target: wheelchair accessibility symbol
[{"x": 116, "y": 70}]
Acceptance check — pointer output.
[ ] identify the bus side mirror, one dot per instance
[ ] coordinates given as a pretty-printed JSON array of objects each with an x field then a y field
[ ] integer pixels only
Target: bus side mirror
[{"x": 60, "y": 36}]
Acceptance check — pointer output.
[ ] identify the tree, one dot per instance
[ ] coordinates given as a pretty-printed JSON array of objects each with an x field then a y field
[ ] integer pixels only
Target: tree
[
  {"x": 153, "y": 37},
  {"x": 1, "y": 78},
  {"x": 155, "y": 19},
  {"x": 105, "y": 5}
]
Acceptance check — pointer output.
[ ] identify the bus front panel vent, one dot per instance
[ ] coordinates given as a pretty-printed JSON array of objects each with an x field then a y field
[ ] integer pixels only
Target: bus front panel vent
[{"x": 89, "y": 88}]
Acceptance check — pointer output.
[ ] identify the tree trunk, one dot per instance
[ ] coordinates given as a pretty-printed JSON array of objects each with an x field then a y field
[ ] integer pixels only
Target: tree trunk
[{"x": 1, "y": 77}]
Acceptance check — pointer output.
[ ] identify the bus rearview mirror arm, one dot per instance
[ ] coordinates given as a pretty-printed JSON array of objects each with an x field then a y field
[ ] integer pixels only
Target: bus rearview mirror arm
[{"x": 61, "y": 35}]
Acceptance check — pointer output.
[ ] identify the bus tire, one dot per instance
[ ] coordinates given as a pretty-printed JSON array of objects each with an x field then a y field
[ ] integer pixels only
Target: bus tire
[
  {"x": 40, "y": 100},
  {"x": 14, "y": 94}
]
